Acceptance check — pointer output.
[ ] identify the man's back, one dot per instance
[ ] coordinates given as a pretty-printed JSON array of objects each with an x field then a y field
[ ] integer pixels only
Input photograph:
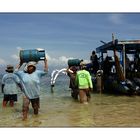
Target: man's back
[
  {"x": 10, "y": 81},
  {"x": 83, "y": 79}
]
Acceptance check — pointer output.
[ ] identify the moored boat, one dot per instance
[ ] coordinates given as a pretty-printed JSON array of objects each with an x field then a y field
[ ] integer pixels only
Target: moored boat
[{"x": 120, "y": 62}]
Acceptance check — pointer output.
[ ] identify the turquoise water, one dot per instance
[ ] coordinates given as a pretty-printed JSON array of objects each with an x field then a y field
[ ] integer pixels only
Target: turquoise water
[{"x": 58, "y": 109}]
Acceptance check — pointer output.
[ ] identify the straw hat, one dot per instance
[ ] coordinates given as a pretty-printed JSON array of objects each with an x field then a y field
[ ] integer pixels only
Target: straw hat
[{"x": 9, "y": 68}]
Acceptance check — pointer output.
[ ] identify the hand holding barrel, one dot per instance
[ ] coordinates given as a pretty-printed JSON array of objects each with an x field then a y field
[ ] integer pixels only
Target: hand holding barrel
[{"x": 45, "y": 64}]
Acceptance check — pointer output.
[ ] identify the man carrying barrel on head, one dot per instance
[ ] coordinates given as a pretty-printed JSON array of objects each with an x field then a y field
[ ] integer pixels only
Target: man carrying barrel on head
[
  {"x": 72, "y": 74},
  {"x": 30, "y": 79},
  {"x": 71, "y": 71}
]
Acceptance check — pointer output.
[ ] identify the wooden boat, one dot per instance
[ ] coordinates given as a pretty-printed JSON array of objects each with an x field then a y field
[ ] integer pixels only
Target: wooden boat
[{"x": 120, "y": 75}]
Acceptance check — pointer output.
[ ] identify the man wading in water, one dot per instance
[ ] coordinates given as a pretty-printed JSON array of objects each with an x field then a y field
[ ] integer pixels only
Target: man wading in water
[
  {"x": 30, "y": 79},
  {"x": 10, "y": 84},
  {"x": 84, "y": 83},
  {"x": 72, "y": 74}
]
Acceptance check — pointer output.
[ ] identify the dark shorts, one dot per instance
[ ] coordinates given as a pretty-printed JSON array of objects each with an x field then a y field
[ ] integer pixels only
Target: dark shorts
[
  {"x": 8, "y": 97},
  {"x": 75, "y": 93}
]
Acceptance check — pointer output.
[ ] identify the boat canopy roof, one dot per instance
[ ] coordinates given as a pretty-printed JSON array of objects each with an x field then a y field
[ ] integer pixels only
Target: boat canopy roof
[{"x": 131, "y": 46}]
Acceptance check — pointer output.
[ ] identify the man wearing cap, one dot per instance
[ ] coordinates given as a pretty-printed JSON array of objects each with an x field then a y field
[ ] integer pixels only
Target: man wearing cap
[
  {"x": 10, "y": 86},
  {"x": 30, "y": 79},
  {"x": 84, "y": 83}
]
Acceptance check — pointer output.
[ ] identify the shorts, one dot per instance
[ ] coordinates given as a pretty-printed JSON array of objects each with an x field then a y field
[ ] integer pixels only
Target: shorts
[
  {"x": 86, "y": 91},
  {"x": 9, "y": 97},
  {"x": 35, "y": 103},
  {"x": 75, "y": 93}
]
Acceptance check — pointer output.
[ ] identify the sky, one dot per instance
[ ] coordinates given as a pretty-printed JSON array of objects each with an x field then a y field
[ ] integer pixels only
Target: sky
[{"x": 62, "y": 35}]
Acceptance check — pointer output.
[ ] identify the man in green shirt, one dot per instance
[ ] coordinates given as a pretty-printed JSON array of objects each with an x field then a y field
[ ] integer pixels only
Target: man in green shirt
[{"x": 84, "y": 83}]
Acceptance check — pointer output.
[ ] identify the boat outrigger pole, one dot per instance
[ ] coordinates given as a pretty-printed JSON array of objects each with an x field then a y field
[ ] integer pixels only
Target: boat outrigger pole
[
  {"x": 124, "y": 61},
  {"x": 117, "y": 63}
]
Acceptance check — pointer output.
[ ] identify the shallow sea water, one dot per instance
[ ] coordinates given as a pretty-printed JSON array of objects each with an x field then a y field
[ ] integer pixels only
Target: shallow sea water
[{"x": 58, "y": 109}]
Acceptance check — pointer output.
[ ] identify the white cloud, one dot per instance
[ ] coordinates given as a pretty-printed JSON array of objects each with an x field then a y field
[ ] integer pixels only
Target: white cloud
[
  {"x": 16, "y": 57},
  {"x": 2, "y": 61},
  {"x": 61, "y": 61},
  {"x": 116, "y": 18},
  {"x": 19, "y": 48}
]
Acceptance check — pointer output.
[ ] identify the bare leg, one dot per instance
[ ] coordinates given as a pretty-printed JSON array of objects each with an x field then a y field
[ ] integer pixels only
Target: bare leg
[
  {"x": 82, "y": 95},
  {"x": 4, "y": 103},
  {"x": 25, "y": 107},
  {"x": 35, "y": 105},
  {"x": 11, "y": 103}
]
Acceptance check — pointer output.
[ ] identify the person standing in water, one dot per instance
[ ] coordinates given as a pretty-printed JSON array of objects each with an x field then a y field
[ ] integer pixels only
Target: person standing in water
[
  {"x": 10, "y": 86},
  {"x": 30, "y": 78},
  {"x": 72, "y": 75},
  {"x": 94, "y": 62},
  {"x": 84, "y": 83}
]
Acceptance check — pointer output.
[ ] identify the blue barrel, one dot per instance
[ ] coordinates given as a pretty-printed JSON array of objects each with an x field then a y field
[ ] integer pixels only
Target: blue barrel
[
  {"x": 32, "y": 55},
  {"x": 74, "y": 62}
]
